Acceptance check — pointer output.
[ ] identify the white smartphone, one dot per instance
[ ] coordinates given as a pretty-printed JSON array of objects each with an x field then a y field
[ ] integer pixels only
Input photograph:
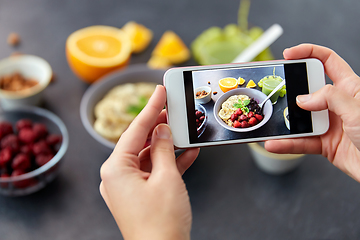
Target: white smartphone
[{"x": 223, "y": 104}]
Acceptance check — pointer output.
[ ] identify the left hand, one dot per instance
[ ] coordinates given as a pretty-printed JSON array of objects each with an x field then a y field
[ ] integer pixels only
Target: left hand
[{"x": 143, "y": 188}]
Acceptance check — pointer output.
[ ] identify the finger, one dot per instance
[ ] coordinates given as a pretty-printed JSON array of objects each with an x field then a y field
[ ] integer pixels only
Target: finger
[
  {"x": 162, "y": 150},
  {"x": 332, "y": 98},
  {"x": 186, "y": 159},
  {"x": 162, "y": 118},
  {"x": 335, "y": 67},
  {"x": 309, "y": 145},
  {"x": 133, "y": 139}
]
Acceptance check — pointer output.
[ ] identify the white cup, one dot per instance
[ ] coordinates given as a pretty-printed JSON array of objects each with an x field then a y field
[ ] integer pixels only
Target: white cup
[{"x": 273, "y": 163}]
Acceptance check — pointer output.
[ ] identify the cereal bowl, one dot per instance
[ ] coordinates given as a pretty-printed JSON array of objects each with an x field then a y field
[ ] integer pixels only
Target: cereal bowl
[
  {"x": 30, "y": 67},
  {"x": 38, "y": 178},
  {"x": 251, "y": 93},
  {"x": 96, "y": 92}
]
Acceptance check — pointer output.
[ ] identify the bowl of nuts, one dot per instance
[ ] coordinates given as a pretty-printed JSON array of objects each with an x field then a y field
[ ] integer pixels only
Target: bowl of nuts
[
  {"x": 32, "y": 143},
  {"x": 202, "y": 95},
  {"x": 22, "y": 80}
]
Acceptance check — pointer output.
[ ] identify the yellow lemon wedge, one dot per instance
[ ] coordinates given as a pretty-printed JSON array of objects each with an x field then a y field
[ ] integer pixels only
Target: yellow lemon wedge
[
  {"x": 140, "y": 36},
  {"x": 156, "y": 62},
  {"x": 251, "y": 84},
  {"x": 97, "y": 50},
  {"x": 227, "y": 84},
  {"x": 240, "y": 81},
  {"x": 172, "y": 48}
]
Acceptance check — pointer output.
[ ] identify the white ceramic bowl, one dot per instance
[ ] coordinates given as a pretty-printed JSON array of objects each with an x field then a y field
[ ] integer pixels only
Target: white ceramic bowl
[
  {"x": 30, "y": 67},
  {"x": 273, "y": 163},
  {"x": 252, "y": 93},
  {"x": 134, "y": 73},
  {"x": 204, "y": 99}
]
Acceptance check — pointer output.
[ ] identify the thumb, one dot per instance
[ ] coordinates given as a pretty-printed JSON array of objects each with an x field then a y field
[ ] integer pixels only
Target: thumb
[
  {"x": 162, "y": 149},
  {"x": 337, "y": 101}
]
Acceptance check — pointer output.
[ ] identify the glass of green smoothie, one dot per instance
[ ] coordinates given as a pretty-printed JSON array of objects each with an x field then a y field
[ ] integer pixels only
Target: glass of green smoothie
[{"x": 269, "y": 84}]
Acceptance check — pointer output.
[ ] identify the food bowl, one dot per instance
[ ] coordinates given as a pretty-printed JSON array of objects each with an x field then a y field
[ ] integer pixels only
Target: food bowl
[
  {"x": 203, "y": 99},
  {"x": 252, "y": 93},
  {"x": 37, "y": 179},
  {"x": 30, "y": 67},
  {"x": 203, "y": 125},
  {"x": 133, "y": 74}
]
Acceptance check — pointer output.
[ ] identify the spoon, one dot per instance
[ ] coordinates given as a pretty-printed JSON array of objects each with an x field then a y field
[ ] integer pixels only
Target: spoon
[{"x": 272, "y": 93}]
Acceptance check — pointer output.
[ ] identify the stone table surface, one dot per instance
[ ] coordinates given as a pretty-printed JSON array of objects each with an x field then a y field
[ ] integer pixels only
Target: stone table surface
[{"x": 230, "y": 197}]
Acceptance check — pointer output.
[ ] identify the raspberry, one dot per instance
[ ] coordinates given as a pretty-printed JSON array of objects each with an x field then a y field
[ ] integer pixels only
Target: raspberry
[
  {"x": 40, "y": 130},
  {"x": 250, "y": 115},
  {"x": 198, "y": 114},
  {"x": 27, "y": 135},
  {"x": 23, "y": 123},
  {"x": 233, "y": 117},
  {"x": 11, "y": 141},
  {"x": 42, "y": 159},
  {"x": 237, "y": 124},
  {"x": 238, "y": 112},
  {"x": 253, "y": 121},
  {"x": 22, "y": 183},
  {"x": 259, "y": 117},
  {"x": 243, "y": 118},
  {"x": 244, "y": 124},
  {"x": 41, "y": 147},
  {"x": 27, "y": 149},
  {"x": 21, "y": 161},
  {"x": 5, "y": 129},
  {"x": 5, "y": 157}
]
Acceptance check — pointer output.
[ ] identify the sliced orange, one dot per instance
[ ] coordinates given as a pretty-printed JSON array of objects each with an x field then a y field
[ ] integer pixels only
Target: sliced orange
[
  {"x": 140, "y": 36},
  {"x": 227, "y": 84},
  {"x": 240, "y": 81},
  {"x": 97, "y": 50},
  {"x": 251, "y": 84},
  {"x": 172, "y": 48}
]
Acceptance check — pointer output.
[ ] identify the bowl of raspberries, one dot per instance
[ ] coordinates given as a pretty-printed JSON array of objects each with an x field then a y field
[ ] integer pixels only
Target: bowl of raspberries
[{"x": 32, "y": 144}]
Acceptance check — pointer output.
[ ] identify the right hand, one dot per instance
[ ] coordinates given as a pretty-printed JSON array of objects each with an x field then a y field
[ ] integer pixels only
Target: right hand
[{"x": 341, "y": 143}]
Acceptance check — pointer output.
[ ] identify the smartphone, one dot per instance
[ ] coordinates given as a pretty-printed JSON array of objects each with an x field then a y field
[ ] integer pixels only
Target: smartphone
[{"x": 223, "y": 104}]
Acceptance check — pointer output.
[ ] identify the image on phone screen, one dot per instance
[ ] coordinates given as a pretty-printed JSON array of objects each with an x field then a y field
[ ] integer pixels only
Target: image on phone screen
[{"x": 224, "y": 104}]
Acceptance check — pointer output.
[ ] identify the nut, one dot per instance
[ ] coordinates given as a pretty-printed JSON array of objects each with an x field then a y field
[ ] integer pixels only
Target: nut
[{"x": 13, "y": 39}]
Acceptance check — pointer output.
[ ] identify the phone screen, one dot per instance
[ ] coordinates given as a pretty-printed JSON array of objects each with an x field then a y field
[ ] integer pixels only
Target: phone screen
[{"x": 233, "y": 111}]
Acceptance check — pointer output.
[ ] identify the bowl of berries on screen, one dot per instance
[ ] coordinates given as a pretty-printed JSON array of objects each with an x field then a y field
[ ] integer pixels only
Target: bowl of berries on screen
[
  {"x": 238, "y": 110},
  {"x": 32, "y": 143}
]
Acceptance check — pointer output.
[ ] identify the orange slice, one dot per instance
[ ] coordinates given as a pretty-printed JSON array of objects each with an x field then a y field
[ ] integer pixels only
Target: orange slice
[
  {"x": 227, "y": 84},
  {"x": 240, "y": 81},
  {"x": 97, "y": 50},
  {"x": 172, "y": 48},
  {"x": 140, "y": 36},
  {"x": 251, "y": 84}
]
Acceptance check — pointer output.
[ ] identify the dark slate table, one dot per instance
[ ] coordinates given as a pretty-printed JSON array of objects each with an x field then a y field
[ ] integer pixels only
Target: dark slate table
[{"x": 231, "y": 198}]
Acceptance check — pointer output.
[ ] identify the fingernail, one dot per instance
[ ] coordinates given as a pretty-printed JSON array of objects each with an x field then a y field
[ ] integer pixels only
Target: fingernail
[
  {"x": 163, "y": 131},
  {"x": 303, "y": 98}
]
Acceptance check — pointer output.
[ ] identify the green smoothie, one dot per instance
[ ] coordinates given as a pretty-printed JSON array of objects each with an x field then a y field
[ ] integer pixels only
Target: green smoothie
[{"x": 269, "y": 84}]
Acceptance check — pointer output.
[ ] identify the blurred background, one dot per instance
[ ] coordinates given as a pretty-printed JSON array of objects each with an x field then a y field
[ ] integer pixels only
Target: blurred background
[{"x": 231, "y": 198}]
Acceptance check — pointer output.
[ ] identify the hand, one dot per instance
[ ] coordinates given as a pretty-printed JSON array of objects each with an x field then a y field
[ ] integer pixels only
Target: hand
[
  {"x": 341, "y": 143},
  {"x": 143, "y": 188}
]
